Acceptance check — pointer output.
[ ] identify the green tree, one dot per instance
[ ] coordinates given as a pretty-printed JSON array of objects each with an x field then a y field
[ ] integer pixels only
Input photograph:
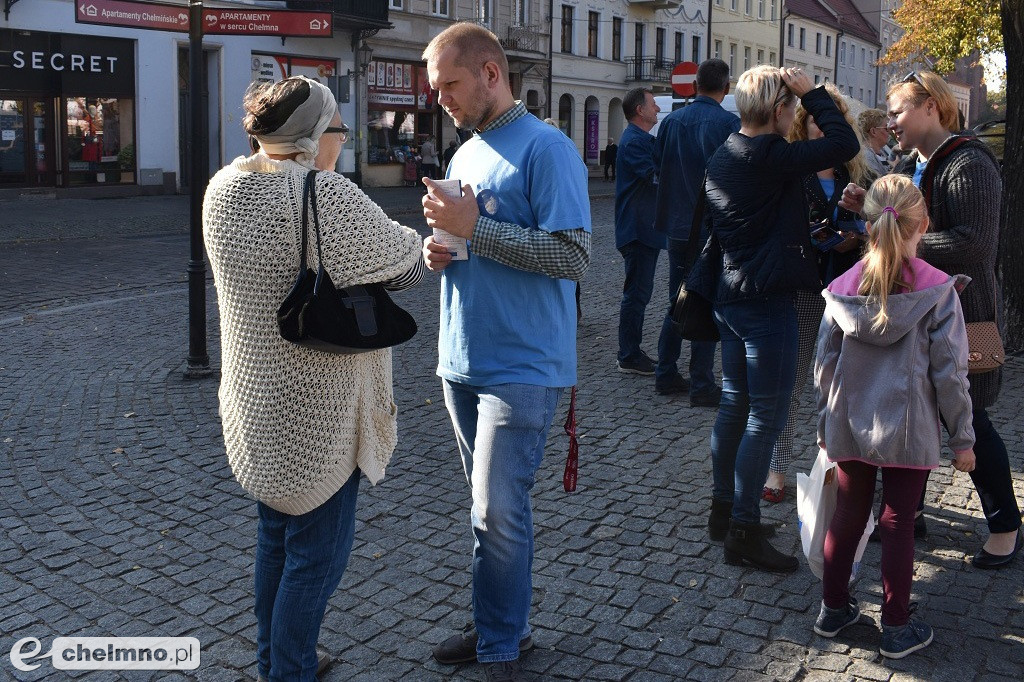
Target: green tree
[{"x": 947, "y": 30}]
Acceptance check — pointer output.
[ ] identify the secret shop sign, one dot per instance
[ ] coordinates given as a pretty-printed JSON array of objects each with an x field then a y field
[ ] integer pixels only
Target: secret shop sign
[{"x": 51, "y": 63}]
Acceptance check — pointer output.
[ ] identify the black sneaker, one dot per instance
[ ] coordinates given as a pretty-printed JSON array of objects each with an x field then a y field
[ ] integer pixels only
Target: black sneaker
[
  {"x": 642, "y": 365},
  {"x": 831, "y": 621},
  {"x": 671, "y": 385},
  {"x": 461, "y": 648},
  {"x": 505, "y": 671},
  {"x": 900, "y": 641},
  {"x": 709, "y": 399}
]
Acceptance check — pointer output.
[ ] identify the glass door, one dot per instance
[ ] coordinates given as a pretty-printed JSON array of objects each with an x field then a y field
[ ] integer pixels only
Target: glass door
[{"x": 27, "y": 143}]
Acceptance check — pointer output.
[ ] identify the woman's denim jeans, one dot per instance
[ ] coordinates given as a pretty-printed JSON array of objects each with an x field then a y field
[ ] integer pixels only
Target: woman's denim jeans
[
  {"x": 299, "y": 563},
  {"x": 759, "y": 348},
  {"x": 501, "y": 431}
]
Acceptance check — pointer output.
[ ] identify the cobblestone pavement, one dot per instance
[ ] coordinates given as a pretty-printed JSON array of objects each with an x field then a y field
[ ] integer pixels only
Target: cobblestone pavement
[{"x": 120, "y": 515}]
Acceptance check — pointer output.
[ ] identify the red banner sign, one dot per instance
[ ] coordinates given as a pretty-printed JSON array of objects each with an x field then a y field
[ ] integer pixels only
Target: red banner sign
[{"x": 219, "y": 21}]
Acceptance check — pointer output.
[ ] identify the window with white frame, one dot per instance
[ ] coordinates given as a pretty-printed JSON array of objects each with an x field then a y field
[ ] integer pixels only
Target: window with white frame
[
  {"x": 732, "y": 5},
  {"x": 396, "y": 4},
  {"x": 659, "y": 46},
  {"x": 593, "y": 21},
  {"x": 746, "y": 58},
  {"x": 828, "y": 46},
  {"x": 789, "y": 35},
  {"x": 439, "y": 8},
  {"x": 817, "y": 43},
  {"x": 695, "y": 55},
  {"x": 760, "y": 9},
  {"x": 484, "y": 11},
  {"x": 803, "y": 38},
  {"x": 521, "y": 12},
  {"x": 862, "y": 63},
  {"x": 718, "y": 49},
  {"x": 732, "y": 57},
  {"x": 760, "y": 56},
  {"x": 773, "y": 9},
  {"x": 771, "y": 58},
  {"x": 748, "y": 7},
  {"x": 678, "y": 52},
  {"x": 842, "y": 52},
  {"x": 617, "y": 39},
  {"x": 567, "y": 16}
]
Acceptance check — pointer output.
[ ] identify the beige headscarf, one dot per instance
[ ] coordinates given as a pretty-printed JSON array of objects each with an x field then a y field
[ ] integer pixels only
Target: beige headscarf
[{"x": 301, "y": 132}]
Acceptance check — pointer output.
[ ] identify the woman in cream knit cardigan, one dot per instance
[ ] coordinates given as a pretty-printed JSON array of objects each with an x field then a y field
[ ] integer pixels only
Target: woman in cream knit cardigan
[{"x": 299, "y": 424}]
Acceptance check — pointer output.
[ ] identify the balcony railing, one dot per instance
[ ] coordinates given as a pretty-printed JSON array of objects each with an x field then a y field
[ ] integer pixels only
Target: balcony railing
[
  {"x": 521, "y": 37},
  {"x": 648, "y": 69}
]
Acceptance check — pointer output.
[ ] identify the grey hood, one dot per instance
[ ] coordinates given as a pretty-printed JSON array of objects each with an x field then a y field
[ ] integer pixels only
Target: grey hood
[{"x": 855, "y": 314}]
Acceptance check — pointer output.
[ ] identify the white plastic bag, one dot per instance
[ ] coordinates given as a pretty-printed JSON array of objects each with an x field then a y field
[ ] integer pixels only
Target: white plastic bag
[{"x": 815, "y": 505}]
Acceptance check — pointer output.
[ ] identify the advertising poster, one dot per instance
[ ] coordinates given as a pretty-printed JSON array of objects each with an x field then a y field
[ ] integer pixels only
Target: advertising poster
[{"x": 593, "y": 144}]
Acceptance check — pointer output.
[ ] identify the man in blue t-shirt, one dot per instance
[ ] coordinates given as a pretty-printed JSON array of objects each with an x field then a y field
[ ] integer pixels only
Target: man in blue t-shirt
[
  {"x": 686, "y": 140},
  {"x": 507, "y": 339},
  {"x": 636, "y": 187}
]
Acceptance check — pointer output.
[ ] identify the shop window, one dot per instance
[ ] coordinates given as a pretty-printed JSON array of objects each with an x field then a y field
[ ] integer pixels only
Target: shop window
[
  {"x": 565, "y": 114},
  {"x": 100, "y": 139},
  {"x": 391, "y": 136}
]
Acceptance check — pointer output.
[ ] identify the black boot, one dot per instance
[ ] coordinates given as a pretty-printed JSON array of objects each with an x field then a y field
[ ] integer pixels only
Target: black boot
[
  {"x": 747, "y": 546},
  {"x": 718, "y": 521}
]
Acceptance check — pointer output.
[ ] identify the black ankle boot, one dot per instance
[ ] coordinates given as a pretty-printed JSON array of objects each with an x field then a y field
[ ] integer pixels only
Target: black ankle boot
[
  {"x": 718, "y": 522},
  {"x": 747, "y": 546}
]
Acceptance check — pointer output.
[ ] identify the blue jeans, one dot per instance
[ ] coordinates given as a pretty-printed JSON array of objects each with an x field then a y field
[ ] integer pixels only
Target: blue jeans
[
  {"x": 299, "y": 563},
  {"x": 641, "y": 261},
  {"x": 702, "y": 353},
  {"x": 501, "y": 431},
  {"x": 759, "y": 345}
]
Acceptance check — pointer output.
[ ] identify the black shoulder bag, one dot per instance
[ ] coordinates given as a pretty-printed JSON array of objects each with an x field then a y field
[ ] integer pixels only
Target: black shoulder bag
[
  {"x": 355, "y": 319},
  {"x": 692, "y": 315}
]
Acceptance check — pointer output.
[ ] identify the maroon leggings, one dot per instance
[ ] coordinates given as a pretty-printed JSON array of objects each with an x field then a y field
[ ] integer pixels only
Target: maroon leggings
[{"x": 901, "y": 491}]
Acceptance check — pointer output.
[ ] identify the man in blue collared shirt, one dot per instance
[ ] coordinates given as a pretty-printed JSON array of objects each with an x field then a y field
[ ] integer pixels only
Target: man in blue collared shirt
[
  {"x": 686, "y": 140},
  {"x": 636, "y": 186}
]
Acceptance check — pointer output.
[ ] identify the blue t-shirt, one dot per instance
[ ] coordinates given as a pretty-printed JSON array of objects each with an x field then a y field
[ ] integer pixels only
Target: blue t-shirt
[
  {"x": 500, "y": 324},
  {"x": 919, "y": 168}
]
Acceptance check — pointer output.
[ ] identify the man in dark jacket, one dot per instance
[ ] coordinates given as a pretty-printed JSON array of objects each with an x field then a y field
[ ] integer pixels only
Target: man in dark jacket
[
  {"x": 610, "y": 152},
  {"x": 635, "y": 237},
  {"x": 686, "y": 140}
]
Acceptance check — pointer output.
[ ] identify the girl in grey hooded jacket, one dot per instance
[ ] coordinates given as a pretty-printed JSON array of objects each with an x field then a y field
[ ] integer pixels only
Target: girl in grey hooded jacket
[{"x": 891, "y": 363}]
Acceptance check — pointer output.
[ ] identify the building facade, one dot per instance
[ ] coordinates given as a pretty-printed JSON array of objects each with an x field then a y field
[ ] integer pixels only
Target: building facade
[
  {"x": 745, "y": 33},
  {"x": 857, "y": 74},
  {"x": 104, "y": 109},
  {"x": 809, "y": 36},
  {"x": 402, "y": 110}
]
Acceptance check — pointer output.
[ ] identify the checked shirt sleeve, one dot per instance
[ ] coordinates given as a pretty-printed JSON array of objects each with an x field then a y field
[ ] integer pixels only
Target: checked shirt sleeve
[{"x": 564, "y": 254}]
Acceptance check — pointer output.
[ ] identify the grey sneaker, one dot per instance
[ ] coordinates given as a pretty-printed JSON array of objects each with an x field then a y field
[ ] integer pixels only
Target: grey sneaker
[
  {"x": 831, "y": 621},
  {"x": 505, "y": 671},
  {"x": 902, "y": 640}
]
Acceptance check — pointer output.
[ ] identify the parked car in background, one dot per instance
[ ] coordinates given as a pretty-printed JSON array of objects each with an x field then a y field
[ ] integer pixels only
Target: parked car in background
[{"x": 993, "y": 133}]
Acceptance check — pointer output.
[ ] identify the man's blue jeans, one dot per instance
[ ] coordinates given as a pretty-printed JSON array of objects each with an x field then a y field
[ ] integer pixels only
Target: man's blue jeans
[
  {"x": 702, "y": 353},
  {"x": 759, "y": 346},
  {"x": 641, "y": 261},
  {"x": 299, "y": 563},
  {"x": 501, "y": 431}
]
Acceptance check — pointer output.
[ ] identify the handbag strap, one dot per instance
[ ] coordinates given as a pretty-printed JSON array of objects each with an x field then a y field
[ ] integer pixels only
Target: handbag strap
[
  {"x": 692, "y": 247},
  {"x": 309, "y": 198}
]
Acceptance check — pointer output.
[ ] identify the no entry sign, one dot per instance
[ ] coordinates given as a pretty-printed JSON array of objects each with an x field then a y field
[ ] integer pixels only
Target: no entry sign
[{"x": 684, "y": 79}]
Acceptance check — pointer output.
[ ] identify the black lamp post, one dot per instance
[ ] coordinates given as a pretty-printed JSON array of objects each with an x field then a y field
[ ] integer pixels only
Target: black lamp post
[
  {"x": 198, "y": 357},
  {"x": 363, "y": 54}
]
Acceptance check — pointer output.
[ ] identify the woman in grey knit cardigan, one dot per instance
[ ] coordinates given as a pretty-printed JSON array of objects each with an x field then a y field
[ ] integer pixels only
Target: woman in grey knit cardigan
[{"x": 960, "y": 181}]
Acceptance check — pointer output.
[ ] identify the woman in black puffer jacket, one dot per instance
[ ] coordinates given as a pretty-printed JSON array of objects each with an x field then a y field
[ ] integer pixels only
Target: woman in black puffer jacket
[{"x": 760, "y": 256}]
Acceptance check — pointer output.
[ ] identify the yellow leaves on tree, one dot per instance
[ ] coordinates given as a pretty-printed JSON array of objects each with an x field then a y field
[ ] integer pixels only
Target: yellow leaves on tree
[{"x": 946, "y": 30}]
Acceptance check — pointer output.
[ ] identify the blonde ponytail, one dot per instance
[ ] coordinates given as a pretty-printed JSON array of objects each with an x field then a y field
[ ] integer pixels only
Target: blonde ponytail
[{"x": 895, "y": 209}]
